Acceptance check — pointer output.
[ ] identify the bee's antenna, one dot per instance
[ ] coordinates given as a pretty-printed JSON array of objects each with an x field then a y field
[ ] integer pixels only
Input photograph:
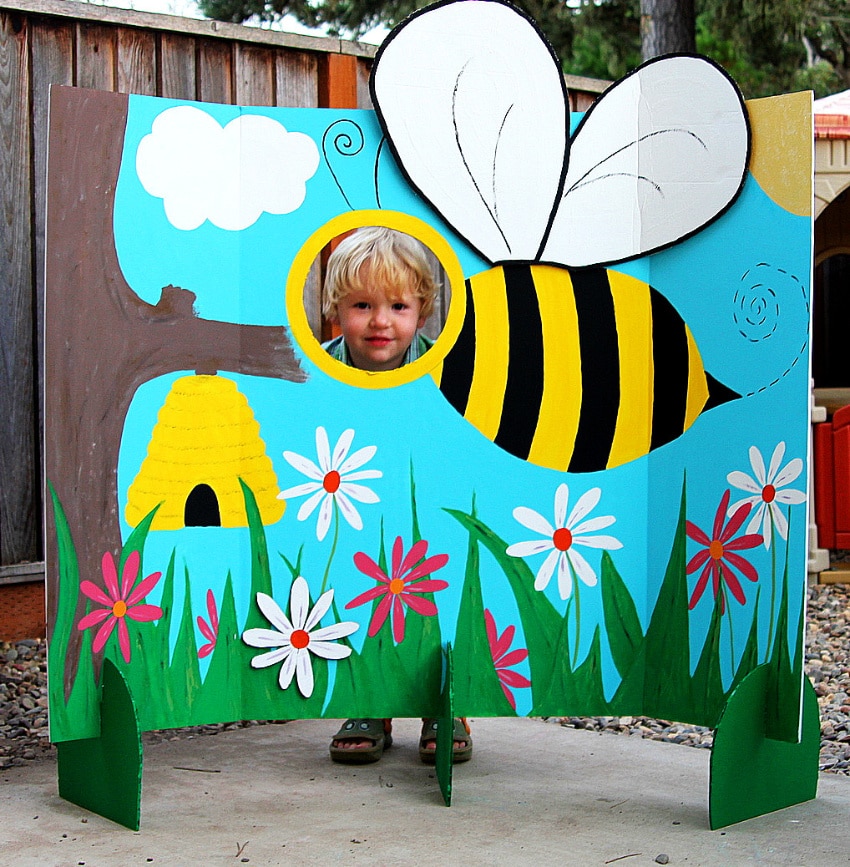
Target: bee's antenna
[
  {"x": 377, "y": 163},
  {"x": 348, "y": 141}
]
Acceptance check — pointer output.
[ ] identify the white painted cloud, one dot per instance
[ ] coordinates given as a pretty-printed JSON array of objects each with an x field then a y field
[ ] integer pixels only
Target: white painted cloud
[{"x": 229, "y": 175}]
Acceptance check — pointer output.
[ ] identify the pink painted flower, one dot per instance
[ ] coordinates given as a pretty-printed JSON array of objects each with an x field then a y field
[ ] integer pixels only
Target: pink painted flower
[
  {"x": 208, "y": 630},
  {"x": 402, "y": 588},
  {"x": 503, "y": 658},
  {"x": 119, "y": 603},
  {"x": 718, "y": 556}
]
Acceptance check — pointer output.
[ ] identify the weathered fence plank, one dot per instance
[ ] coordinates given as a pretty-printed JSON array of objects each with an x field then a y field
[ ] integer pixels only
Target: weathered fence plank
[
  {"x": 255, "y": 75},
  {"x": 136, "y": 62},
  {"x": 96, "y": 57},
  {"x": 215, "y": 72},
  {"x": 364, "y": 70},
  {"x": 51, "y": 50},
  {"x": 19, "y": 495},
  {"x": 177, "y": 67},
  {"x": 297, "y": 79}
]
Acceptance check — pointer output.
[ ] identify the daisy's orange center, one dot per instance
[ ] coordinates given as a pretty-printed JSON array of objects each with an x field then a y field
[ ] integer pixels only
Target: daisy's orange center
[
  {"x": 562, "y": 539},
  {"x": 119, "y": 609},
  {"x": 396, "y": 585},
  {"x": 768, "y": 493},
  {"x": 331, "y": 482},
  {"x": 299, "y": 639},
  {"x": 715, "y": 549}
]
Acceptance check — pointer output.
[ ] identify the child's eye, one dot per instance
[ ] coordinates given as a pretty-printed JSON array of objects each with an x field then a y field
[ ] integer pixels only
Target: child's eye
[
  {"x": 361, "y": 305},
  {"x": 399, "y": 305}
]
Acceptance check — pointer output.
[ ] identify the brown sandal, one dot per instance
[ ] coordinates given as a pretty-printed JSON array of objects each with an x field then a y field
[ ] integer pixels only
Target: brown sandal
[
  {"x": 376, "y": 730},
  {"x": 429, "y": 736}
]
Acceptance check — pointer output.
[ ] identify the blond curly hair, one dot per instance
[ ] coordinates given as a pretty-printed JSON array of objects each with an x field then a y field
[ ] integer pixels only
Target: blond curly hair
[{"x": 397, "y": 264}]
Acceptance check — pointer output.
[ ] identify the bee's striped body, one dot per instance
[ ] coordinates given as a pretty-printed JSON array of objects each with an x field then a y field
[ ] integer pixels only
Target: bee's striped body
[{"x": 576, "y": 370}]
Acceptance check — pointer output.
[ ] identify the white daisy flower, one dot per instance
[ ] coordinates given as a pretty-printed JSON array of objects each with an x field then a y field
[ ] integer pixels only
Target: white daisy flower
[
  {"x": 294, "y": 641},
  {"x": 765, "y": 496},
  {"x": 561, "y": 540},
  {"x": 333, "y": 481}
]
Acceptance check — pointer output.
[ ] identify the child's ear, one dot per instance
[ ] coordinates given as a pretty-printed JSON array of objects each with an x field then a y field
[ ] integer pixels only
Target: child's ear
[{"x": 422, "y": 321}]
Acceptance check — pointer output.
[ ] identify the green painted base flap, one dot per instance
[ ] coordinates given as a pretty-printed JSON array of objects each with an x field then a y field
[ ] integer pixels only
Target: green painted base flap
[
  {"x": 752, "y": 774},
  {"x": 104, "y": 774},
  {"x": 445, "y": 731}
]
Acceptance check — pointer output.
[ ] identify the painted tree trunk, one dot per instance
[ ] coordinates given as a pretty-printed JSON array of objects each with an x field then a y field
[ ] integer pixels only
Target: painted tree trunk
[{"x": 121, "y": 341}]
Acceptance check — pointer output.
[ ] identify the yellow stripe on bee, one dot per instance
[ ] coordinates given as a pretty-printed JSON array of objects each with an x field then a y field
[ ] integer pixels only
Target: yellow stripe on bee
[
  {"x": 492, "y": 345},
  {"x": 697, "y": 384},
  {"x": 633, "y": 311},
  {"x": 560, "y": 407}
]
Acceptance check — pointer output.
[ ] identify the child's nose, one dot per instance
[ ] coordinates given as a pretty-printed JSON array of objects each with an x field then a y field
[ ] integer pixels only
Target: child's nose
[{"x": 380, "y": 315}]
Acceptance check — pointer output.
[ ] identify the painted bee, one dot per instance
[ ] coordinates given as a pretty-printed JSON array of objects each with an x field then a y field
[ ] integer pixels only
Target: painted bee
[{"x": 560, "y": 361}]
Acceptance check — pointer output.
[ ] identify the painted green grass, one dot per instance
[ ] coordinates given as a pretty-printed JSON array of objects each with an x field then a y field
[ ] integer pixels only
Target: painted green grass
[
  {"x": 73, "y": 711},
  {"x": 385, "y": 679},
  {"x": 546, "y": 634},
  {"x": 475, "y": 683},
  {"x": 654, "y": 666}
]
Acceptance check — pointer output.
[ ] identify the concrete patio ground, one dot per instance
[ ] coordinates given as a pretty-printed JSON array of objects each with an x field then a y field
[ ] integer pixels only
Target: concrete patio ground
[{"x": 533, "y": 793}]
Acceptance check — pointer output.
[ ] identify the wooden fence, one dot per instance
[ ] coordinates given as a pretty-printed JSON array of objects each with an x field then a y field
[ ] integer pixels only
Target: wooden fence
[{"x": 44, "y": 42}]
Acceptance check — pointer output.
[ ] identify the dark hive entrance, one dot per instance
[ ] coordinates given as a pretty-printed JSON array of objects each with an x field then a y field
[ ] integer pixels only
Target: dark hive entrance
[{"x": 202, "y": 508}]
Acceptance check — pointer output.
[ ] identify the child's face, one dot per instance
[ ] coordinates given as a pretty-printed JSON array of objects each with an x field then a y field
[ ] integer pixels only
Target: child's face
[{"x": 378, "y": 329}]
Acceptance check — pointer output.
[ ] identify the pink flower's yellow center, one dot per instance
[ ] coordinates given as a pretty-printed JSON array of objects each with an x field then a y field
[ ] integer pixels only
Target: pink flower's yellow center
[
  {"x": 562, "y": 539},
  {"x": 715, "y": 549},
  {"x": 331, "y": 482},
  {"x": 396, "y": 585},
  {"x": 768, "y": 493},
  {"x": 299, "y": 639},
  {"x": 119, "y": 609}
]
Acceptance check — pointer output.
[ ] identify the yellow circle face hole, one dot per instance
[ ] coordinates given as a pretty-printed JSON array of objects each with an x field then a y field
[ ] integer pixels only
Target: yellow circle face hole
[{"x": 431, "y": 361}]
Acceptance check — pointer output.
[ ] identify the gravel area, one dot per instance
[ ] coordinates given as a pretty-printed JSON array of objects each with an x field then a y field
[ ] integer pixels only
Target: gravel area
[
  {"x": 23, "y": 695},
  {"x": 827, "y": 665}
]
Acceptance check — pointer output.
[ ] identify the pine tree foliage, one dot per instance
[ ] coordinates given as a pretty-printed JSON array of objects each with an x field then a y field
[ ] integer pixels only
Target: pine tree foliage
[{"x": 769, "y": 46}]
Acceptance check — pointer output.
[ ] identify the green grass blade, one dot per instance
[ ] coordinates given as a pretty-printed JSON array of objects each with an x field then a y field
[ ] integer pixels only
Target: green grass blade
[
  {"x": 782, "y": 716},
  {"x": 750, "y": 657},
  {"x": 261, "y": 576},
  {"x": 541, "y": 623},
  {"x": 707, "y": 683},
  {"x": 477, "y": 688},
  {"x": 220, "y": 696},
  {"x": 183, "y": 673},
  {"x": 667, "y": 681},
  {"x": 625, "y": 636},
  {"x": 587, "y": 679},
  {"x": 72, "y": 713}
]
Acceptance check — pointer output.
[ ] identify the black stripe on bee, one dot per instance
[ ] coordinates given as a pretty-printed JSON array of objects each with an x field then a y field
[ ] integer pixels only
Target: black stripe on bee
[
  {"x": 524, "y": 387},
  {"x": 606, "y": 402},
  {"x": 459, "y": 364},
  {"x": 600, "y": 370},
  {"x": 670, "y": 363}
]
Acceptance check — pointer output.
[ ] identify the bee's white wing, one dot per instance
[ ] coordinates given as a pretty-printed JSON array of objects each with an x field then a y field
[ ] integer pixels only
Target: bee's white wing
[
  {"x": 474, "y": 107},
  {"x": 660, "y": 155}
]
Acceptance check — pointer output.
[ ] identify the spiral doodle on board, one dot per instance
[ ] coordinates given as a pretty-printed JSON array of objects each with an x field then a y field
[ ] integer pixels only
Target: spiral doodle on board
[{"x": 757, "y": 309}]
